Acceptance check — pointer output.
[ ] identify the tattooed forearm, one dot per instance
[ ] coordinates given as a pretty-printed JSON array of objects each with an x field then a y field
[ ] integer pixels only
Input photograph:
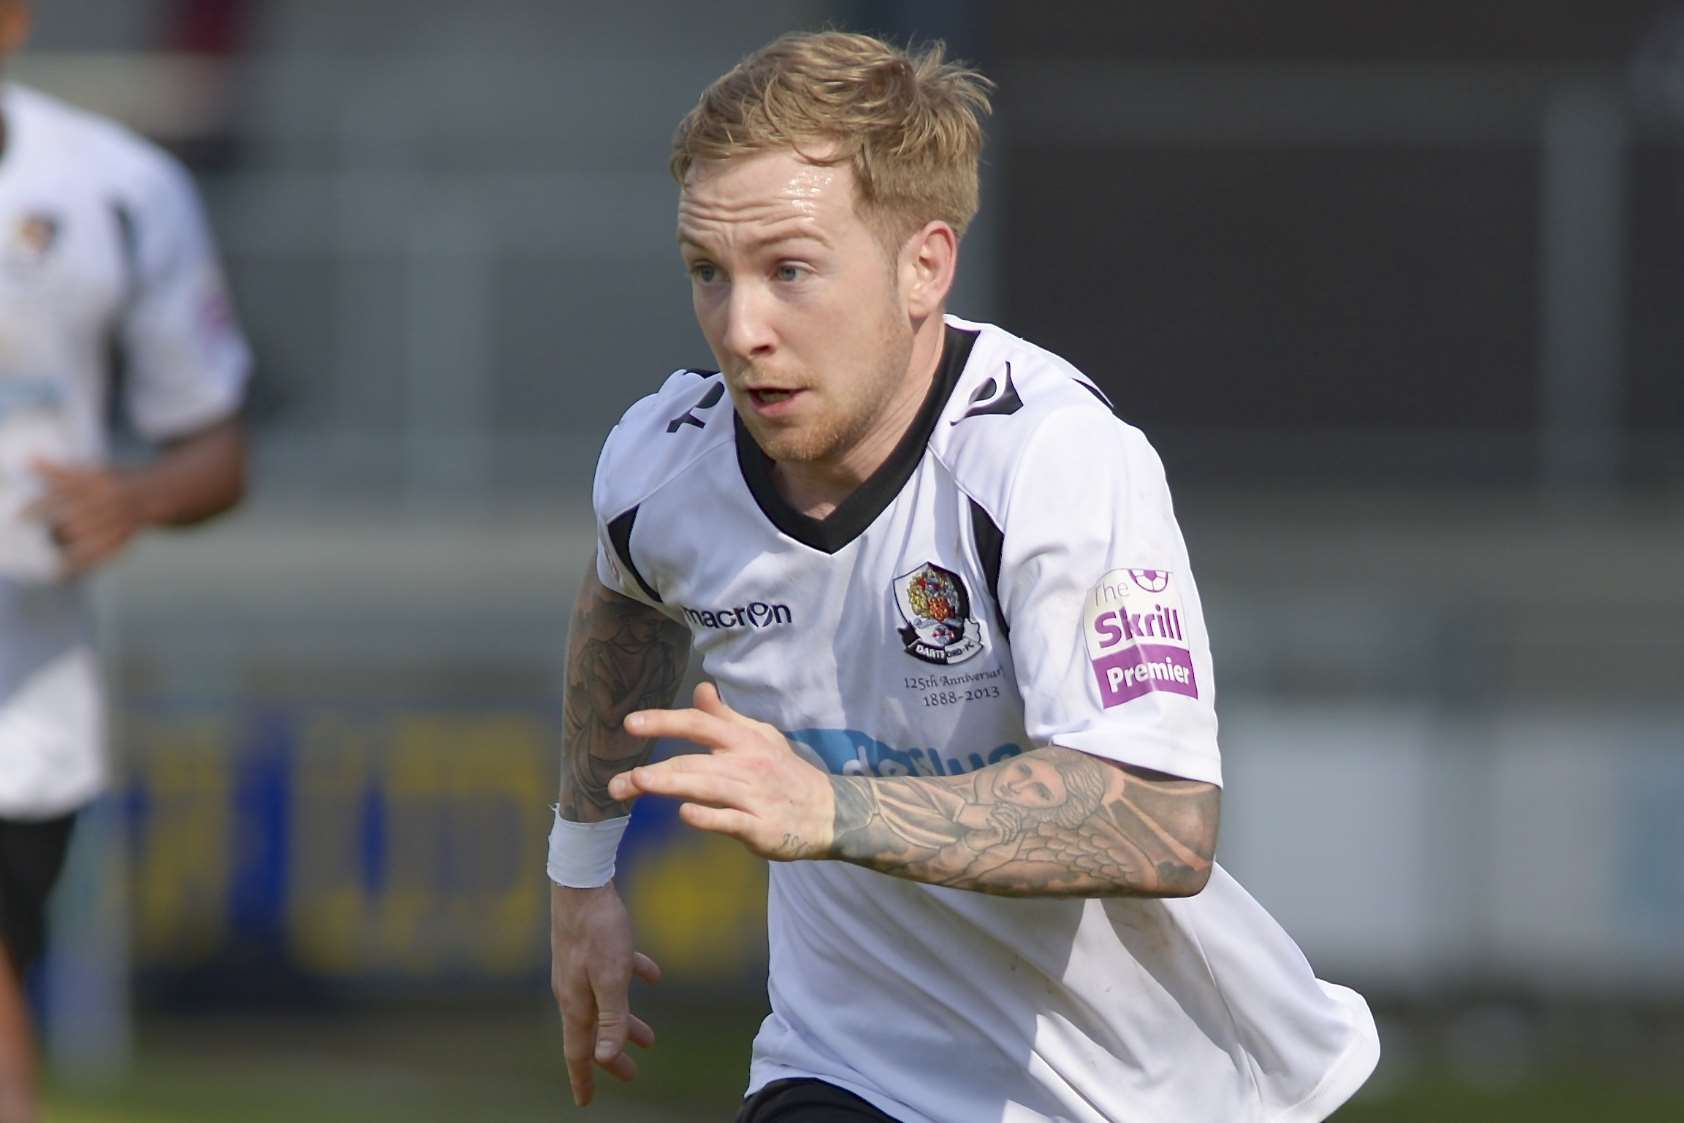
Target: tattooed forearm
[
  {"x": 621, "y": 656},
  {"x": 1053, "y": 822}
]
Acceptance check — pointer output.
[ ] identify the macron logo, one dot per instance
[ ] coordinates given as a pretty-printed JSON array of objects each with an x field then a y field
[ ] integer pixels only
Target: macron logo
[{"x": 758, "y": 614}]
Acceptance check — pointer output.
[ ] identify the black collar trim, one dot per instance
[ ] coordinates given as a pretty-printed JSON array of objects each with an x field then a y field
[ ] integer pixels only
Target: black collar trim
[{"x": 860, "y": 509}]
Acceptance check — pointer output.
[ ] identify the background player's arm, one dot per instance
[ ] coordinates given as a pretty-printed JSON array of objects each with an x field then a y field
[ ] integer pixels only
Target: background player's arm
[
  {"x": 95, "y": 511},
  {"x": 1055, "y": 822},
  {"x": 194, "y": 478},
  {"x": 621, "y": 655}
]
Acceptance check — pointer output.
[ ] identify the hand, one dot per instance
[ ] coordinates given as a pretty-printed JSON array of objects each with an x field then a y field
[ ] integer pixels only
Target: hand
[
  {"x": 93, "y": 512},
  {"x": 591, "y": 968},
  {"x": 750, "y": 785},
  {"x": 1005, "y": 820}
]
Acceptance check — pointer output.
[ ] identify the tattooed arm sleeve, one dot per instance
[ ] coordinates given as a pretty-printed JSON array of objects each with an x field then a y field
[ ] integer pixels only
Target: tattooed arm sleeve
[
  {"x": 621, "y": 656},
  {"x": 1052, "y": 822}
]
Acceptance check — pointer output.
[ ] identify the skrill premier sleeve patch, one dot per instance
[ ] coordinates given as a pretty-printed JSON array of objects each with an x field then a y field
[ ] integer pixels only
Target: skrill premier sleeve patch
[{"x": 1132, "y": 622}]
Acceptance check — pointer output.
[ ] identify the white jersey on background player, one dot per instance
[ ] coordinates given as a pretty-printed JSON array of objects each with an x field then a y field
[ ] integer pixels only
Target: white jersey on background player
[
  {"x": 105, "y": 260},
  {"x": 1011, "y": 577}
]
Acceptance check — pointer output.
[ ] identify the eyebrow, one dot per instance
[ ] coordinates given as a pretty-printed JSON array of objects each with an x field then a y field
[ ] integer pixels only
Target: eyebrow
[{"x": 761, "y": 243}]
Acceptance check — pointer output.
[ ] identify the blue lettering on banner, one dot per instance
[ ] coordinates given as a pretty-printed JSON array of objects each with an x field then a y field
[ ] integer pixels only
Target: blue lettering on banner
[{"x": 849, "y": 752}]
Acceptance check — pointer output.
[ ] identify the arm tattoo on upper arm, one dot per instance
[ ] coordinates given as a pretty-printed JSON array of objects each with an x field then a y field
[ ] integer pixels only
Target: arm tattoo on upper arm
[
  {"x": 1050, "y": 822},
  {"x": 621, "y": 656}
]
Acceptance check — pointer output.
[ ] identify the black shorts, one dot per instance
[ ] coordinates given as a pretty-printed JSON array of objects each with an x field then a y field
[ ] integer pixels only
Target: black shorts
[
  {"x": 31, "y": 856},
  {"x": 805, "y": 1100}
]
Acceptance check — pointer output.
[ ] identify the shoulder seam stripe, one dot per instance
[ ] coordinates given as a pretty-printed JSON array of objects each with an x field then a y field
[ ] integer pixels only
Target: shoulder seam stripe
[
  {"x": 990, "y": 543},
  {"x": 128, "y": 242},
  {"x": 619, "y": 533},
  {"x": 1100, "y": 394}
]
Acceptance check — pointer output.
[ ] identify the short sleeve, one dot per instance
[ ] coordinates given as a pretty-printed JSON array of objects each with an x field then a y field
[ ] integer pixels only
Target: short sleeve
[
  {"x": 614, "y": 525},
  {"x": 1106, "y": 628},
  {"x": 186, "y": 361}
]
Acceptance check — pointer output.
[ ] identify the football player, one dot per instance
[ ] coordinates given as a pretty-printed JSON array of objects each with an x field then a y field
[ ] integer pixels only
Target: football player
[
  {"x": 959, "y": 684},
  {"x": 105, "y": 263}
]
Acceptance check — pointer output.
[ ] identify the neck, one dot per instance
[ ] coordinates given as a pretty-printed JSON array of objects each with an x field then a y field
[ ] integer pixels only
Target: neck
[{"x": 818, "y": 487}]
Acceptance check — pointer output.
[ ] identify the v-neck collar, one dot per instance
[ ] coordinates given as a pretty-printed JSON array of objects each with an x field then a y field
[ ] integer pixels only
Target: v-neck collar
[{"x": 862, "y": 506}]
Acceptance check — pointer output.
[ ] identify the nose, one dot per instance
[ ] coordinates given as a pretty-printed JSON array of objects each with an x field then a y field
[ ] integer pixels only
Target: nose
[{"x": 748, "y": 324}]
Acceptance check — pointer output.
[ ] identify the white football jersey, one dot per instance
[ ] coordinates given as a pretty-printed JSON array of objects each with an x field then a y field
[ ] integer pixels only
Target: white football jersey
[
  {"x": 105, "y": 258},
  {"x": 1012, "y": 577}
]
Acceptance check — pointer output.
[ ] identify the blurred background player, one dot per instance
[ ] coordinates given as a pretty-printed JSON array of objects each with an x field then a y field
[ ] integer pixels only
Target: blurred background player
[{"x": 109, "y": 287}]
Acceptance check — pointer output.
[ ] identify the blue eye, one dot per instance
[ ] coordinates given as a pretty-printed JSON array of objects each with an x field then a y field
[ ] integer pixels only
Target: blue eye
[
  {"x": 704, "y": 273},
  {"x": 790, "y": 272}
]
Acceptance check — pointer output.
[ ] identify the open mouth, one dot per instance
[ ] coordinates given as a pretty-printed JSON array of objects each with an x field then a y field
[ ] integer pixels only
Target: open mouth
[{"x": 771, "y": 397}]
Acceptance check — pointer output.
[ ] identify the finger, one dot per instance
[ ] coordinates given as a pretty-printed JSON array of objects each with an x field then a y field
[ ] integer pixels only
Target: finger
[
  {"x": 693, "y": 784},
  {"x": 576, "y": 1045},
  {"x": 577, "y": 1039},
  {"x": 640, "y": 1032},
  {"x": 706, "y": 766},
  {"x": 95, "y": 527},
  {"x": 647, "y": 778},
  {"x": 621, "y": 1066},
  {"x": 645, "y": 968},
  {"x": 623, "y": 788},
  {"x": 612, "y": 1015},
  {"x": 700, "y": 764},
  {"x": 54, "y": 504},
  {"x": 708, "y": 700},
  {"x": 719, "y": 820},
  {"x": 68, "y": 481},
  {"x": 56, "y": 470},
  {"x": 707, "y": 730},
  {"x": 713, "y": 791},
  {"x": 77, "y": 521}
]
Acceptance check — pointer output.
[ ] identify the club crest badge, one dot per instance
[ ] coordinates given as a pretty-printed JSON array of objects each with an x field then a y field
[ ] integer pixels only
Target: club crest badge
[
  {"x": 30, "y": 241},
  {"x": 936, "y": 610}
]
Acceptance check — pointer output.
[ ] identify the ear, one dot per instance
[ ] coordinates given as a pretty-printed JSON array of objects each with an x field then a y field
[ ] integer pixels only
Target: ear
[
  {"x": 927, "y": 261},
  {"x": 14, "y": 25}
]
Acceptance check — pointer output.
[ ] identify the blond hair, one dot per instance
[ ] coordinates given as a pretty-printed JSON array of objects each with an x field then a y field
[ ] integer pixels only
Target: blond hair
[{"x": 907, "y": 123}]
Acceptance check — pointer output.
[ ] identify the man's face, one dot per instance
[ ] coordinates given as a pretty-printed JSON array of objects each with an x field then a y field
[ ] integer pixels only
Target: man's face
[
  {"x": 798, "y": 298},
  {"x": 1033, "y": 782}
]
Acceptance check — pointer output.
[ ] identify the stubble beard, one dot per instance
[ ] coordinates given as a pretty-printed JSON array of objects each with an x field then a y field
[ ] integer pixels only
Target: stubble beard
[{"x": 860, "y": 408}]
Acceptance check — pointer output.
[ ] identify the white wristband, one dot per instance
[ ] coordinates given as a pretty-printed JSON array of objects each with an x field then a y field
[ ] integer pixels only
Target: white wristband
[{"x": 582, "y": 854}]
